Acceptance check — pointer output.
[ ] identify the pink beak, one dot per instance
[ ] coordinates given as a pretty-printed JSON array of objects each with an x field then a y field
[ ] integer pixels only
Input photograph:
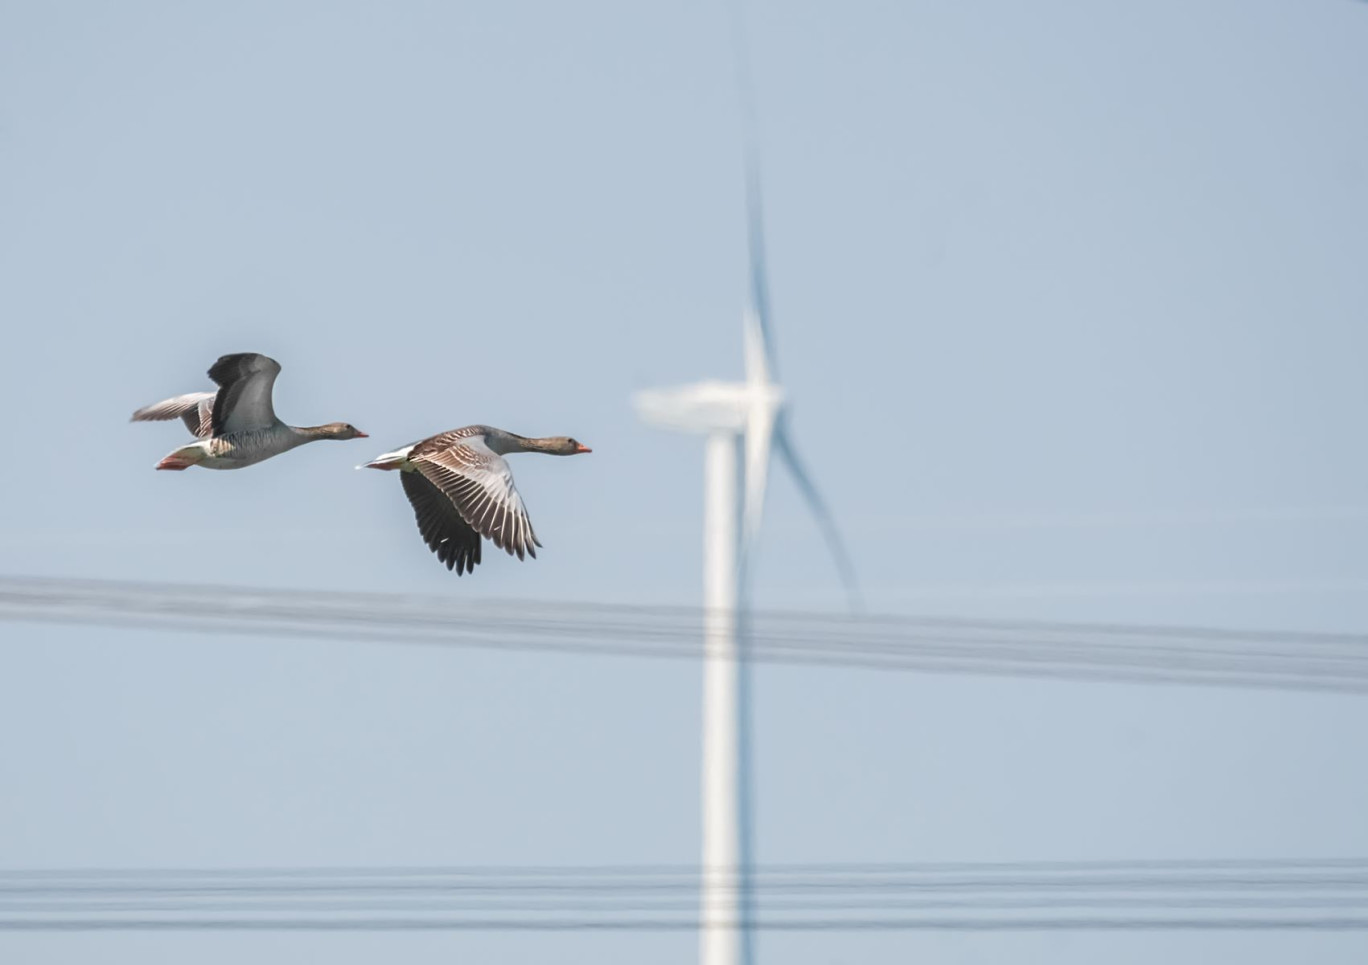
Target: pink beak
[{"x": 583, "y": 448}]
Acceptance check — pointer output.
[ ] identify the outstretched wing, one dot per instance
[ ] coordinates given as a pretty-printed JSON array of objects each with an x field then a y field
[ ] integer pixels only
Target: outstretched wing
[
  {"x": 245, "y": 382},
  {"x": 479, "y": 484},
  {"x": 193, "y": 409},
  {"x": 442, "y": 528}
]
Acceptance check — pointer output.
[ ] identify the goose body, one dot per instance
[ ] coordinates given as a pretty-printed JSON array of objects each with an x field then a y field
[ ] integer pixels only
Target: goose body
[
  {"x": 462, "y": 491},
  {"x": 236, "y": 426}
]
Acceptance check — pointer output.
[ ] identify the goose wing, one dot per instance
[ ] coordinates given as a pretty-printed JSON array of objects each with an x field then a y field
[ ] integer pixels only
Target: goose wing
[
  {"x": 193, "y": 408},
  {"x": 441, "y": 525},
  {"x": 479, "y": 485},
  {"x": 243, "y": 402}
]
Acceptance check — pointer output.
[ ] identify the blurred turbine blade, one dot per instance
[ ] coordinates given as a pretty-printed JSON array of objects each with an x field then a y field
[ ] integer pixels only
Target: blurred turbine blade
[
  {"x": 784, "y": 445},
  {"x": 759, "y": 435},
  {"x": 758, "y": 328}
]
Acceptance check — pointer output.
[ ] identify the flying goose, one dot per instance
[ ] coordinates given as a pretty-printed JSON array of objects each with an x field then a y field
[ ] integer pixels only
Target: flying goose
[
  {"x": 462, "y": 489},
  {"x": 237, "y": 425}
]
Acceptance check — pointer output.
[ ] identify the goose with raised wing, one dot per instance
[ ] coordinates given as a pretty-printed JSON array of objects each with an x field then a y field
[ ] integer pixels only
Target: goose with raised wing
[
  {"x": 236, "y": 425},
  {"x": 462, "y": 490}
]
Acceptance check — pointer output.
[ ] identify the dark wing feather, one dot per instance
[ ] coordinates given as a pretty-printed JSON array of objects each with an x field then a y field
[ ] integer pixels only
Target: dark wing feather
[
  {"x": 193, "y": 422},
  {"x": 245, "y": 382},
  {"x": 480, "y": 486},
  {"x": 442, "y": 528}
]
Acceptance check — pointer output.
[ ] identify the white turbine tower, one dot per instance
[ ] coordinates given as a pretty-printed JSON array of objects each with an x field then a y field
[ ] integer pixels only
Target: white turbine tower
[{"x": 747, "y": 419}]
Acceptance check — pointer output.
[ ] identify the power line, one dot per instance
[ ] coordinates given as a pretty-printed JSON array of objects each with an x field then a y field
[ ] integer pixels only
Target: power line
[
  {"x": 1182, "y": 902},
  {"x": 693, "y": 870},
  {"x": 639, "y": 884},
  {"x": 689, "y": 925},
  {"x": 1244, "y": 894},
  {"x": 1050, "y": 650},
  {"x": 24, "y": 884}
]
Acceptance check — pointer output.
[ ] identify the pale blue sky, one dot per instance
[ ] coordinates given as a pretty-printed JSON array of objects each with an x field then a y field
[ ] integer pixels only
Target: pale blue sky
[{"x": 1070, "y": 299}]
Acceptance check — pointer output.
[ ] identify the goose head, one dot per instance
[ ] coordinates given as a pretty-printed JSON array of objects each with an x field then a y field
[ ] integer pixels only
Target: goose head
[
  {"x": 339, "y": 430},
  {"x": 562, "y": 446}
]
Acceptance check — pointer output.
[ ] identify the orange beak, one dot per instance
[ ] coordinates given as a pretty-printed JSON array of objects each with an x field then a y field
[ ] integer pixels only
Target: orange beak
[
  {"x": 362, "y": 435},
  {"x": 583, "y": 448}
]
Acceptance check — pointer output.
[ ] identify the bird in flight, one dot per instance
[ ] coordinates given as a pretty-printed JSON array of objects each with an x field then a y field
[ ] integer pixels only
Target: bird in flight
[
  {"x": 462, "y": 490},
  {"x": 236, "y": 426}
]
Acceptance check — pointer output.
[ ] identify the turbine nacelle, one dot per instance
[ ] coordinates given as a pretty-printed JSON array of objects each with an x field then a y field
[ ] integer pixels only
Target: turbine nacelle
[{"x": 711, "y": 406}]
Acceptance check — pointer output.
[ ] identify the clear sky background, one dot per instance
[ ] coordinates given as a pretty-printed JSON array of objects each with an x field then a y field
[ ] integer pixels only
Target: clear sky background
[{"x": 1070, "y": 299}]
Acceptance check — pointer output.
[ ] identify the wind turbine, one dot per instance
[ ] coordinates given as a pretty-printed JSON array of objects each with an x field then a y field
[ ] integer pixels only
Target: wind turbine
[{"x": 744, "y": 422}]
